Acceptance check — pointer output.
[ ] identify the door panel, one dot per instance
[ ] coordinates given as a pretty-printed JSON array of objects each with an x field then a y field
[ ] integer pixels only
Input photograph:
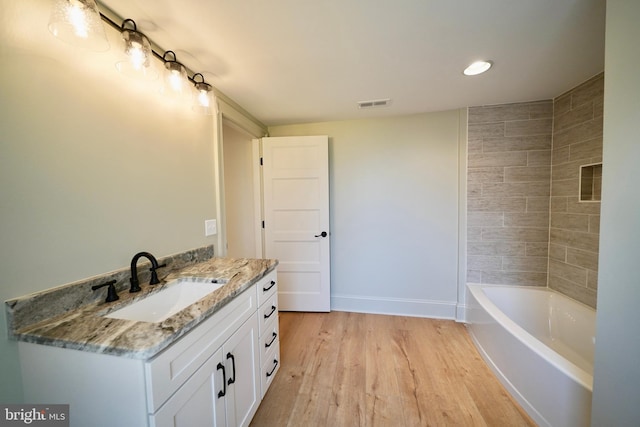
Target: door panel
[{"x": 296, "y": 212}]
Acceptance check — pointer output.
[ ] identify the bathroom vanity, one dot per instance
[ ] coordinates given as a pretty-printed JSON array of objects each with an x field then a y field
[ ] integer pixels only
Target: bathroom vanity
[{"x": 210, "y": 364}]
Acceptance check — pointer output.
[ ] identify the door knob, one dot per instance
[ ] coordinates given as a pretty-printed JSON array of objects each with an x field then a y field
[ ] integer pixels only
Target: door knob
[{"x": 323, "y": 234}]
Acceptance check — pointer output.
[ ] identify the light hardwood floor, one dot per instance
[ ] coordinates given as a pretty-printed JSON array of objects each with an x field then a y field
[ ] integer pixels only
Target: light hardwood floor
[{"x": 349, "y": 369}]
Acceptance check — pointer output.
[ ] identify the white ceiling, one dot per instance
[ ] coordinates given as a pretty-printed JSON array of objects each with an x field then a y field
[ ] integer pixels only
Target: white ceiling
[{"x": 297, "y": 61}]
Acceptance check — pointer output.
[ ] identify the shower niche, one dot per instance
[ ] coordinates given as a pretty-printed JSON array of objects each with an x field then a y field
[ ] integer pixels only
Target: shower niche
[{"x": 591, "y": 182}]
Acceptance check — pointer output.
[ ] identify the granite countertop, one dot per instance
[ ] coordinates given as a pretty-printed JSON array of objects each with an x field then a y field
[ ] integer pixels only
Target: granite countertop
[{"x": 85, "y": 328}]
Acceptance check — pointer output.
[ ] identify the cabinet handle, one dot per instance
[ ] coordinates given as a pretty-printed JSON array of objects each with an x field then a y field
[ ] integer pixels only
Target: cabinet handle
[
  {"x": 222, "y": 392},
  {"x": 272, "y": 340},
  {"x": 271, "y": 285},
  {"x": 233, "y": 366},
  {"x": 275, "y": 365},
  {"x": 273, "y": 308}
]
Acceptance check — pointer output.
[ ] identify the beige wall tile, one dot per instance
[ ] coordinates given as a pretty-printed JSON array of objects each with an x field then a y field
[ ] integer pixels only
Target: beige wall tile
[
  {"x": 528, "y": 127},
  {"x": 487, "y": 219},
  {"x": 586, "y": 150},
  {"x": 575, "y": 239},
  {"x": 498, "y": 113},
  {"x": 496, "y": 248},
  {"x": 557, "y": 252},
  {"x": 594, "y": 224},
  {"x": 474, "y": 234},
  {"x": 579, "y": 293},
  {"x": 527, "y": 174},
  {"x": 506, "y": 158},
  {"x": 515, "y": 189},
  {"x": 529, "y": 263},
  {"x": 486, "y": 174},
  {"x": 564, "y": 187},
  {"x": 541, "y": 109},
  {"x": 568, "y": 272},
  {"x": 569, "y": 170},
  {"x": 483, "y": 262},
  {"x": 537, "y": 204},
  {"x": 474, "y": 276},
  {"x": 581, "y": 132},
  {"x": 530, "y": 219},
  {"x": 519, "y": 234},
  {"x": 517, "y": 278},
  {"x": 511, "y": 204},
  {"x": 584, "y": 259},
  {"x": 592, "y": 279},
  {"x": 560, "y": 155},
  {"x": 485, "y": 130},
  {"x": 539, "y": 158},
  {"x": 575, "y": 206},
  {"x": 576, "y": 222},
  {"x": 517, "y": 143},
  {"x": 537, "y": 249},
  {"x": 562, "y": 104},
  {"x": 588, "y": 91},
  {"x": 558, "y": 204},
  {"x": 573, "y": 117}
]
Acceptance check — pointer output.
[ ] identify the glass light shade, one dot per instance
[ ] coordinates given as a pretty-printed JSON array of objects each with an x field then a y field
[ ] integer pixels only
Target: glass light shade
[
  {"x": 137, "y": 50},
  {"x": 176, "y": 81},
  {"x": 78, "y": 22},
  {"x": 477, "y": 67},
  {"x": 203, "y": 102}
]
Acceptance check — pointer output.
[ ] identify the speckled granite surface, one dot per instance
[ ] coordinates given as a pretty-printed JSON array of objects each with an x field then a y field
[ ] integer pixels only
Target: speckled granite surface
[{"x": 84, "y": 327}]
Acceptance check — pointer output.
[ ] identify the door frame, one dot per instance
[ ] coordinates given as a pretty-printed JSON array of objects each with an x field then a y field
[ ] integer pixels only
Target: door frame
[{"x": 228, "y": 112}]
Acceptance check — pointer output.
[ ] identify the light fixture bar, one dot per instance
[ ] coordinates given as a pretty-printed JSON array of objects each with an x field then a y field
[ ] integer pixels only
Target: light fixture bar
[{"x": 111, "y": 18}]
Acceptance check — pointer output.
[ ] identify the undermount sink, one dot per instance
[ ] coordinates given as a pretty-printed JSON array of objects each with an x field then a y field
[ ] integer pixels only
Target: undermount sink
[{"x": 167, "y": 302}]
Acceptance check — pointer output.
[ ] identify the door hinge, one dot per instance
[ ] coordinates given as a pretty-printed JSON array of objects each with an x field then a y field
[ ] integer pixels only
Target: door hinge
[
  {"x": 261, "y": 161},
  {"x": 262, "y": 224}
]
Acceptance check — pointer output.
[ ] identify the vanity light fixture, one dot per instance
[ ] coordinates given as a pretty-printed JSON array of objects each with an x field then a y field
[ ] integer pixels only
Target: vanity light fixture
[
  {"x": 78, "y": 22},
  {"x": 477, "y": 67},
  {"x": 138, "y": 53},
  {"x": 175, "y": 76},
  {"x": 204, "y": 97}
]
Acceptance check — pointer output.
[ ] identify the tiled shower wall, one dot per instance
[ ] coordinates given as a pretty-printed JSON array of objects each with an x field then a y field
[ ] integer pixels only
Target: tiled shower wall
[
  {"x": 523, "y": 165},
  {"x": 575, "y": 225},
  {"x": 508, "y": 188}
]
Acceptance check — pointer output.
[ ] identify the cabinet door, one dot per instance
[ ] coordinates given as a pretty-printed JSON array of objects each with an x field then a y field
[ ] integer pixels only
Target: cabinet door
[
  {"x": 243, "y": 383},
  {"x": 200, "y": 401}
]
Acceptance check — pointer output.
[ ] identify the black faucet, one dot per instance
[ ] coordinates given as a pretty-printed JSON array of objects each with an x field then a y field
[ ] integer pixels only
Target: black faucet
[{"x": 135, "y": 285}]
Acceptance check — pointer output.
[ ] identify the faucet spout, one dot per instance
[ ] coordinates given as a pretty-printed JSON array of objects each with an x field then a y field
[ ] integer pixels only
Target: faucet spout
[{"x": 135, "y": 284}]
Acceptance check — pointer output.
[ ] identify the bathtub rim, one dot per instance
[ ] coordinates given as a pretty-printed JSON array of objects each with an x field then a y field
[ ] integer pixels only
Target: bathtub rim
[{"x": 567, "y": 367}]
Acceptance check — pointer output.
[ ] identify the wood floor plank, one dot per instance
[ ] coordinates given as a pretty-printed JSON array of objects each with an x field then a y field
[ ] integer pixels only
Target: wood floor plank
[{"x": 349, "y": 369}]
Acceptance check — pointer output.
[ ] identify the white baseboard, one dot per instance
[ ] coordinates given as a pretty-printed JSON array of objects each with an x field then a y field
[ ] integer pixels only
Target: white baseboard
[{"x": 394, "y": 306}]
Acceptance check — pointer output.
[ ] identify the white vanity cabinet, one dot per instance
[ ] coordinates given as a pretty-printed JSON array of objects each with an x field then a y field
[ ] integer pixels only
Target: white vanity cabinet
[
  {"x": 269, "y": 346},
  {"x": 212, "y": 376}
]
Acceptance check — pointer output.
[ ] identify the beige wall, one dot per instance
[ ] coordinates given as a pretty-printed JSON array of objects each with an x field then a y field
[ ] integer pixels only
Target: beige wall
[
  {"x": 616, "y": 384},
  {"x": 94, "y": 167},
  {"x": 508, "y": 172},
  {"x": 575, "y": 225},
  {"x": 393, "y": 212},
  {"x": 239, "y": 193}
]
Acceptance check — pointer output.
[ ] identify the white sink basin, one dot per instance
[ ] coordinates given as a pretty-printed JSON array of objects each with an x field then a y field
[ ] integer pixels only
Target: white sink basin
[{"x": 167, "y": 302}]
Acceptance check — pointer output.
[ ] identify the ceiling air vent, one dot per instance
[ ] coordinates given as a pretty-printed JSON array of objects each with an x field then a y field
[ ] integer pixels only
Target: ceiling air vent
[{"x": 375, "y": 103}]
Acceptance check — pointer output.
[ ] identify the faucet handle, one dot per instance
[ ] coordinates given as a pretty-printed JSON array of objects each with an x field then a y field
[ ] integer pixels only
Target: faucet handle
[
  {"x": 112, "y": 295},
  {"x": 154, "y": 276}
]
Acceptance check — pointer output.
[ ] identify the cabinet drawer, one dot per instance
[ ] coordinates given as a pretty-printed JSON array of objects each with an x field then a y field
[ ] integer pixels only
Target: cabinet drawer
[
  {"x": 268, "y": 312},
  {"x": 269, "y": 339},
  {"x": 267, "y": 287},
  {"x": 270, "y": 367},
  {"x": 166, "y": 372}
]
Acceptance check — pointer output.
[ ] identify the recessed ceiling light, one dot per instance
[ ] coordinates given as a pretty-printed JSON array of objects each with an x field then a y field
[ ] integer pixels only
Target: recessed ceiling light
[{"x": 477, "y": 67}]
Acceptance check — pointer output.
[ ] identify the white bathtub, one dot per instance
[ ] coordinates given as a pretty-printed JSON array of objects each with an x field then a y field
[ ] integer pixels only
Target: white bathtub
[{"x": 540, "y": 345}]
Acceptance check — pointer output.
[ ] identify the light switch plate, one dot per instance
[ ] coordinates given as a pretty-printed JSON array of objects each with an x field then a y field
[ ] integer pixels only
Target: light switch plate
[{"x": 210, "y": 227}]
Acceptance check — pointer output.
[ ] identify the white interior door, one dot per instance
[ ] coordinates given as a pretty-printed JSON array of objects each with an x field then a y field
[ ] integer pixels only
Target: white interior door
[{"x": 296, "y": 215}]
